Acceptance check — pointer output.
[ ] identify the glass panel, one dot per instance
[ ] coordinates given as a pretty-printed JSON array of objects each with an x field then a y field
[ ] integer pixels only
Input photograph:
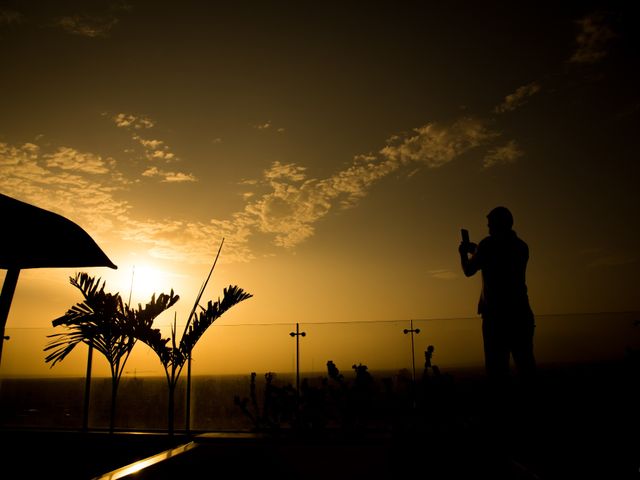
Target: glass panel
[{"x": 34, "y": 394}]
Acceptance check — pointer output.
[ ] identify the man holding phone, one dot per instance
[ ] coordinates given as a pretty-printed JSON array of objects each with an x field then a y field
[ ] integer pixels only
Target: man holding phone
[{"x": 507, "y": 319}]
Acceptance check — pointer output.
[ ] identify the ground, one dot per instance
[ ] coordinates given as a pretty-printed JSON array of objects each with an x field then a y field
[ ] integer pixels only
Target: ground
[{"x": 578, "y": 422}]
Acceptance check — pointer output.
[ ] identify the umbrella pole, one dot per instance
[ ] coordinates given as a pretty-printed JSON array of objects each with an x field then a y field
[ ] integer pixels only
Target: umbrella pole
[{"x": 8, "y": 288}]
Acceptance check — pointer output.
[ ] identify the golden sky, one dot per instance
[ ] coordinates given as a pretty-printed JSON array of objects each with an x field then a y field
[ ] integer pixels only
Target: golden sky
[{"x": 337, "y": 147}]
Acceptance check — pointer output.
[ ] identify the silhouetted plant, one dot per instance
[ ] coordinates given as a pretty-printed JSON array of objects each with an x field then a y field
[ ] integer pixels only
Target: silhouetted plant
[
  {"x": 278, "y": 405},
  {"x": 335, "y": 401},
  {"x": 102, "y": 321},
  {"x": 353, "y": 404},
  {"x": 174, "y": 353},
  {"x": 333, "y": 372}
]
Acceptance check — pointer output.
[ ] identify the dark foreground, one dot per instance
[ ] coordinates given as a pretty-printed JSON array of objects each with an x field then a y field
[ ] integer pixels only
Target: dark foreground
[{"x": 580, "y": 422}]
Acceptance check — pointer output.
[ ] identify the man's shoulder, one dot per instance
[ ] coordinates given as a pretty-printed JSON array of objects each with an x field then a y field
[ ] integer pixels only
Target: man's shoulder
[
  {"x": 490, "y": 242},
  {"x": 485, "y": 242},
  {"x": 521, "y": 242}
]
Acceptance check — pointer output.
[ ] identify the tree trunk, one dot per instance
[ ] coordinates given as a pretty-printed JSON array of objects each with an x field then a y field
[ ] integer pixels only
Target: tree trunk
[
  {"x": 114, "y": 394},
  {"x": 87, "y": 389},
  {"x": 172, "y": 391}
]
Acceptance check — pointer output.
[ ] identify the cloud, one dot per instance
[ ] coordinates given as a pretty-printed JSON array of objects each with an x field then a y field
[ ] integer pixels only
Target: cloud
[
  {"x": 67, "y": 158},
  {"x": 191, "y": 242},
  {"x": 267, "y": 126},
  {"x": 287, "y": 172},
  {"x": 517, "y": 98},
  {"x": 443, "y": 274},
  {"x": 294, "y": 203},
  {"x": 592, "y": 40},
  {"x": 167, "y": 176},
  {"x": 504, "y": 154},
  {"x": 434, "y": 145},
  {"x": 150, "y": 144},
  {"x": 127, "y": 120},
  {"x": 84, "y": 191},
  {"x": 91, "y": 26},
  {"x": 284, "y": 204},
  {"x": 154, "y": 149},
  {"x": 8, "y": 17}
]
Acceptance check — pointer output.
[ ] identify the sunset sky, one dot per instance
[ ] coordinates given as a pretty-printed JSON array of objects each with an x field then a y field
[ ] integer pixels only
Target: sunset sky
[{"x": 337, "y": 146}]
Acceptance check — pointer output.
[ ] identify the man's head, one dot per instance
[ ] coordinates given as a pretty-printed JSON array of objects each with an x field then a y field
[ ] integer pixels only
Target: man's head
[{"x": 500, "y": 220}]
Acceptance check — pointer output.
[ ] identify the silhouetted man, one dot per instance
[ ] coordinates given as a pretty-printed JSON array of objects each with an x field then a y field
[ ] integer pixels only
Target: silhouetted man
[{"x": 507, "y": 319}]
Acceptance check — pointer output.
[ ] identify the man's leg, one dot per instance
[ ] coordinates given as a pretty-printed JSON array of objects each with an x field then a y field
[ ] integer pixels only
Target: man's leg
[
  {"x": 522, "y": 350},
  {"x": 496, "y": 358},
  {"x": 496, "y": 352}
]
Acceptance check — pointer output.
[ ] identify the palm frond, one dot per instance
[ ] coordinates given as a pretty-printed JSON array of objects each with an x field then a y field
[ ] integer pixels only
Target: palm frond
[
  {"x": 143, "y": 317},
  {"x": 152, "y": 337},
  {"x": 94, "y": 320},
  {"x": 232, "y": 295},
  {"x": 63, "y": 344},
  {"x": 86, "y": 284},
  {"x": 139, "y": 324}
]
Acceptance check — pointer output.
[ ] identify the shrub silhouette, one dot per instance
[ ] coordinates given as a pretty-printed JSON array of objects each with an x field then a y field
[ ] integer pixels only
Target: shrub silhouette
[{"x": 358, "y": 403}]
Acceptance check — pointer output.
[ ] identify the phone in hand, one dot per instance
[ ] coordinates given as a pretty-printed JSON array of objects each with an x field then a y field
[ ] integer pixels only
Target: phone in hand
[{"x": 465, "y": 235}]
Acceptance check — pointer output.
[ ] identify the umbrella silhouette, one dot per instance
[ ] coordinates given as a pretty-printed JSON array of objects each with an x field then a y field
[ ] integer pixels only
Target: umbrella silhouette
[{"x": 36, "y": 238}]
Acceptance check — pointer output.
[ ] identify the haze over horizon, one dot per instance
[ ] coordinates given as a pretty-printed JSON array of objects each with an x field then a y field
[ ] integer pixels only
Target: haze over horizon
[{"x": 337, "y": 147}]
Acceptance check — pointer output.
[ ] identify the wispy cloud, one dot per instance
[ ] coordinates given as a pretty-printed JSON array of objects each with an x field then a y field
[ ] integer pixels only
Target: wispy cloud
[
  {"x": 443, "y": 274},
  {"x": 91, "y": 26},
  {"x": 592, "y": 40},
  {"x": 78, "y": 185},
  {"x": 167, "y": 176},
  {"x": 263, "y": 126},
  {"x": 67, "y": 158},
  {"x": 517, "y": 98},
  {"x": 98, "y": 22},
  {"x": 191, "y": 242},
  {"x": 268, "y": 125},
  {"x": 127, "y": 120},
  {"x": 294, "y": 203},
  {"x": 155, "y": 150},
  {"x": 503, "y": 154},
  {"x": 89, "y": 190},
  {"x": 285, "y": 172},
  {"x": 284, "y": 204},
  {"x": 8, "y": 17},
  {"x": 435, "y": 145}
]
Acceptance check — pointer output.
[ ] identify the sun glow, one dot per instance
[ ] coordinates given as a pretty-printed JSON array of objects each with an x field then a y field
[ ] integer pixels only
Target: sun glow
[{"x": 145, "y": 280}]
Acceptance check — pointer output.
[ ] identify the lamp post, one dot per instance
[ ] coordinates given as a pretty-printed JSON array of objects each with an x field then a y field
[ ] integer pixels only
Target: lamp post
[
  {"x": 413, "y": 356},
  {"x": 297, "y": 334}
]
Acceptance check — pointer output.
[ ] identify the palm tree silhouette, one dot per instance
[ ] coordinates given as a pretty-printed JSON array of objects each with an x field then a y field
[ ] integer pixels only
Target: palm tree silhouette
[
  {"x": 173, "y": 354},
  {"x": 104, "y": 322}
]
